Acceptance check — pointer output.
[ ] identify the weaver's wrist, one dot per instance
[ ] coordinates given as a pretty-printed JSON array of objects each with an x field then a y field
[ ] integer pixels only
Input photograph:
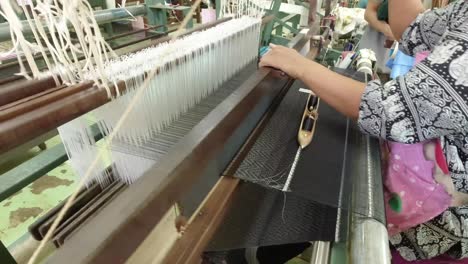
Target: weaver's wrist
[{"x": 304, "y": 68}]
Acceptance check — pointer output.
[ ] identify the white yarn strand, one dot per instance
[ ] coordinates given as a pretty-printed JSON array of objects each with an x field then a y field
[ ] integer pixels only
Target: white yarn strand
[
  {"x": 49, "y": 22},
  {"x": 162, "y": 82},
  {"x": 196, "y": 66}
]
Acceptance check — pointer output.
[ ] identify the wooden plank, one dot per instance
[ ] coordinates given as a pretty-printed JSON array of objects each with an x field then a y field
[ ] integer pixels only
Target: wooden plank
[
  {"x": 113, "y": 235},
  {"x": 162, "y": 238},
  {"x": 203, "y": 224}
]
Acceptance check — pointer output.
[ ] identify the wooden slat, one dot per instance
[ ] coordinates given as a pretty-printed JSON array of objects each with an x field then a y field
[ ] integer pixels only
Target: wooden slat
[{"x": 204, "y": 223}]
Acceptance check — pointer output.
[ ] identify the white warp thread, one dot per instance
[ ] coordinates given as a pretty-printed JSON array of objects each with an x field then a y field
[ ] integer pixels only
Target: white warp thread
[
  {"x": 194, "y": 67},
  {"x": 189, "y": 69},
  {"x": 52, "y": 23}
]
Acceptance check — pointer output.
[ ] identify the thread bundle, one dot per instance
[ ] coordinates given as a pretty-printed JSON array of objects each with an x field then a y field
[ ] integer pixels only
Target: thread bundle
[
  {"x": 189, "y": 69},
  {"x": 52, "y": 24}
]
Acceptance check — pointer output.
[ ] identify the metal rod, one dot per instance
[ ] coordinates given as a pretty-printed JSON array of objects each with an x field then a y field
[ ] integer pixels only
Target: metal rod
[
  {"x": 321, "y": 253},
  {"x": 152, "y": 36},
  {"x": 369, "y": 242},
  {"x": 19, "y": 89},
  {"x": 23, "y": 128},
  {"x": 133, "y": 32},
  {"x": 101, "y": 16},
  {"x": 38, "y": 100},
  {"x": 368, "y": 233}
]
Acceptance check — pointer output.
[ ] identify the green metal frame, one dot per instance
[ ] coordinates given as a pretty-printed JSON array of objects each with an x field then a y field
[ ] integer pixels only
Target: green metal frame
[
  {"x": 273, "y": 30},
  {"x": 280, "y": 22},
  {"x": 157, "y": 14},
  {"x": 268, "y": 29},
  {"x": 103, "y": 5},
  {"x": 283, "y": 22},
  {"x": 31, "y": 170}
]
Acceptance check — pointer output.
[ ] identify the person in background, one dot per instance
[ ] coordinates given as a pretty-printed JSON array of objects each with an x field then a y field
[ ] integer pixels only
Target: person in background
[
  {"x": 376, "y": 35},
  {"x": 429, "y": 102},
  {"x": 312, "y": 12},
  {"x": 362, "y": 4}
]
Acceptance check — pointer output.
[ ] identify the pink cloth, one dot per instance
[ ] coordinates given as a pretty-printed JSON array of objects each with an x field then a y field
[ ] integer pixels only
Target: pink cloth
[
  {"x": 421, "y": 56},
  {"x": 410, "y": 177},
  {"x": 208, "y": 15}
]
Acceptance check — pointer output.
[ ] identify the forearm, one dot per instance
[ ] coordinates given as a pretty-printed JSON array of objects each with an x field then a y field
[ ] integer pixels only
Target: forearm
[
  {"x": 342, "y": 93},
  {"x": 375, "y": 23},
  {"x": 402, "y": 13},
  {"x": 312, "y": 11}
]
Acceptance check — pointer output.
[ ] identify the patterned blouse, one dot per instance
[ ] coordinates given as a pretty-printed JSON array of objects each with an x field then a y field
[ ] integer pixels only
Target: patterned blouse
[{"x": 431, "y": 101}]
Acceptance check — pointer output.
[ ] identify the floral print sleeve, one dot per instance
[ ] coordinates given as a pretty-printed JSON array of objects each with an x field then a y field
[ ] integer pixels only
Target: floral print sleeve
[
  {"x": 424, "y": 33},
  {"x": 431, "y": 100}
]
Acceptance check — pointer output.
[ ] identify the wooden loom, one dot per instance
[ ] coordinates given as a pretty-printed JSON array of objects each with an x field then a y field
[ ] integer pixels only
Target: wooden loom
[{"x": 136, "y": 211}]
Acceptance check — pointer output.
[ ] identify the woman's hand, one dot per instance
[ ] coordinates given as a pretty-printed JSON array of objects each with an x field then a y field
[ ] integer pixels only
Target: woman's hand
[
  {"x": 285, "y": 59},
  {"x": 387, "y": 31},
  {"x": 342, "y": 93}
]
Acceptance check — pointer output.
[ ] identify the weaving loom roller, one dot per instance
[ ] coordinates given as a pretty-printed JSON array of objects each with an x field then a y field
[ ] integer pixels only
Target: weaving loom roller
[{"x": 138, "y": 208}]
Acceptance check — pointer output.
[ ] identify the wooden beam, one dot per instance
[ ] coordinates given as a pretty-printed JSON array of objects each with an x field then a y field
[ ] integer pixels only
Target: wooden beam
[{"x": 203, "y": 224}]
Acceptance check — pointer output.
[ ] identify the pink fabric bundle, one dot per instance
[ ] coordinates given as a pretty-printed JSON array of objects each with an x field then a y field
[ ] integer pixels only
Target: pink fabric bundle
[
  {"x": 412, "y": 195},
  {"x": 410, "y": 184},
  {"x": 421, "y": 56},
  {"x": 410, "y": 179}
]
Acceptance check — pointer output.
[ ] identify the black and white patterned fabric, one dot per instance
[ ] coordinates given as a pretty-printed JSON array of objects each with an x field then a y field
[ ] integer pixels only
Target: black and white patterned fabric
[{"x": 431, "y": 101}]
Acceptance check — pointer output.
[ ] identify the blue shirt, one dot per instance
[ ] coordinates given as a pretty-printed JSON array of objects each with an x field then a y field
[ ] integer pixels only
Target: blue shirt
[{"x": 362, "y": 4}]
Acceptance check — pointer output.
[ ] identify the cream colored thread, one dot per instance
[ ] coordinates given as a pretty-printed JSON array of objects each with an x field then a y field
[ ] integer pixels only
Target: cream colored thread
[{"x": 139, "y": 92}]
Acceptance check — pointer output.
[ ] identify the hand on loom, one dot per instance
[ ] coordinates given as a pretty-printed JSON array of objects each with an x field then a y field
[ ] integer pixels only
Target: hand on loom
[
  {"x": 284, "y": 59},
  {"x": 342, "y": 93}
]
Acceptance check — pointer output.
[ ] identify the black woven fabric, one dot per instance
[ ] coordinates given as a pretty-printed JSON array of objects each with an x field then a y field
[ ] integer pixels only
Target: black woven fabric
[
  {"x": 259, "y": 216},
  {"x": 319, "y": 172},
  {"x": 320, "y": 190},
  {"x": 270, "y": 159}
]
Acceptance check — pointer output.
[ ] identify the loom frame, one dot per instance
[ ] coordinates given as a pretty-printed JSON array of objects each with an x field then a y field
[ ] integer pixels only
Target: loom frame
[
  {"x": 21, "y": 176},
  {"x": 104, "y": 243},
  {"x": 225, "y": 185}
]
